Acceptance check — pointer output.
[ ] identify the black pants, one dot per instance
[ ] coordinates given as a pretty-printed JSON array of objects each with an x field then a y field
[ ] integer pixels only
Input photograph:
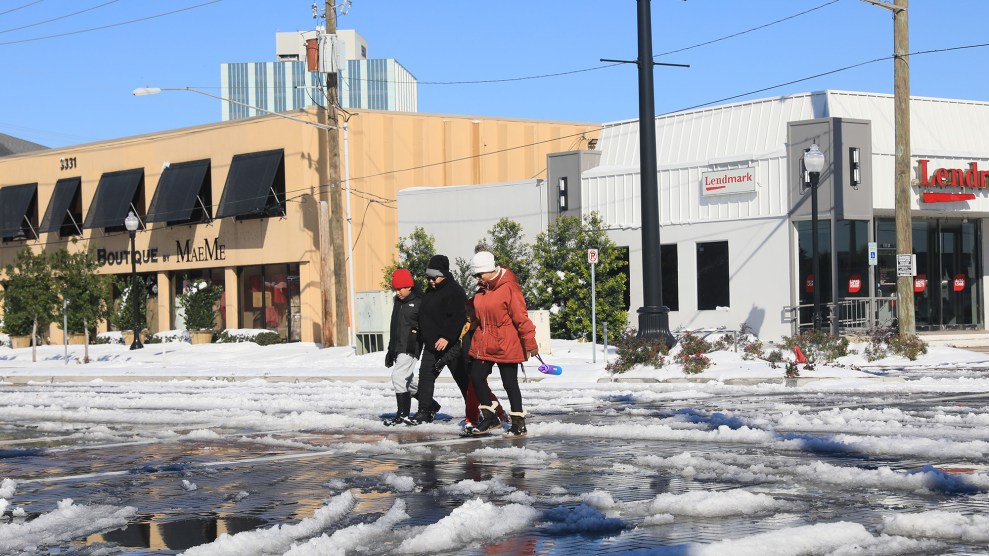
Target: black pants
[
  {"x": 479, "y": 372},
  {"x": 427, "y": 376}
]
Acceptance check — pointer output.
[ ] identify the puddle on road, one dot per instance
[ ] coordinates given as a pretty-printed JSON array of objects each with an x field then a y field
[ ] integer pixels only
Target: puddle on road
[{"x": 180, "y": 534}]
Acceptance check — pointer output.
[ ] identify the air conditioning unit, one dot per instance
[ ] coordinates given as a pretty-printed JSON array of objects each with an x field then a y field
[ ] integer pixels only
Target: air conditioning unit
[{"x": 373, "y": 310}]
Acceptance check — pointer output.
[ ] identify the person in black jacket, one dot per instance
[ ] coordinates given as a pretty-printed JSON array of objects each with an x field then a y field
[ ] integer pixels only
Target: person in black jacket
[
  {"x": 404, "y": 345},
  {"x": 441, "y": 319}
]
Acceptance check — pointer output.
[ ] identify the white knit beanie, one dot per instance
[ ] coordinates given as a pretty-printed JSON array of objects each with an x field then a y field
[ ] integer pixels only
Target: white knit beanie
[{"x": 483, "y": 261}]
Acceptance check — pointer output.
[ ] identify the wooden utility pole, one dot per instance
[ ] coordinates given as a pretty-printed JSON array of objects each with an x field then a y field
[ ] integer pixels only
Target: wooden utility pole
[
  {"x": 334, "y": 303},
  {"x": 901, "y": 173}
]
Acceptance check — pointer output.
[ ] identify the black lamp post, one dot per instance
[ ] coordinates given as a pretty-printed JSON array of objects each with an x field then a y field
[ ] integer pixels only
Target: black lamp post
[
  {"x": 814, "y": 163},
  {"x": 131, "y": 223},
  {"x": 654, "y": 317}
]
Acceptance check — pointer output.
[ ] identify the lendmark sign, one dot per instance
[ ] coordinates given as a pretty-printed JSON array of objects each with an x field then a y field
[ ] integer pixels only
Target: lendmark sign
[
  {"x": 727, "y": 182},
  {"x": 938, "y": 178}
]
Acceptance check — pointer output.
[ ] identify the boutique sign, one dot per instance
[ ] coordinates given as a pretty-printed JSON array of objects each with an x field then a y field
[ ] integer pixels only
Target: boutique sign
[
  {"x": 185, "y": 252},
  {"x": 934, "y": 183},
  {"x": 728, "y": 182}
]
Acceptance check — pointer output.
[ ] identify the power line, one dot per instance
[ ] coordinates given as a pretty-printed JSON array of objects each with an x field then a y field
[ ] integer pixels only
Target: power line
[
  {"x": 21, "y": 7},
  {"x": 59, "y": 17},
  {"x": 111, "y": 25}
]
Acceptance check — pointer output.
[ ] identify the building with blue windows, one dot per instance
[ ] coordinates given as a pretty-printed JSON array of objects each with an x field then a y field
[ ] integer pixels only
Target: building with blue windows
[{"x": 286, "y": 84}]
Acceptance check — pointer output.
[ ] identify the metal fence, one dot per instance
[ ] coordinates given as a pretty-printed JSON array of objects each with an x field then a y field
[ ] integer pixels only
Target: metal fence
[{"x": 858, "y": 314}]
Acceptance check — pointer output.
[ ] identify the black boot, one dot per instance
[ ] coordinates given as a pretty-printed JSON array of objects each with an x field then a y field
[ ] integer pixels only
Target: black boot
[
  {"x": 487, "y": 420},
  {"x": 404, "y": 402},
  {"x": 518, "y": 424}
]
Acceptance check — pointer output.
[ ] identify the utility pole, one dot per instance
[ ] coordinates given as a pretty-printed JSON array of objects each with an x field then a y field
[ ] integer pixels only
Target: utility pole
[
  {"x": 901, "y": 124},
  {"x": 339, "y": 294}
]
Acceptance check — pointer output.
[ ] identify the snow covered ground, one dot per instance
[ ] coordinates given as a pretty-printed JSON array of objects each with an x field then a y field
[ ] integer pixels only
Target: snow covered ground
[{"x": 281, "y": 450}]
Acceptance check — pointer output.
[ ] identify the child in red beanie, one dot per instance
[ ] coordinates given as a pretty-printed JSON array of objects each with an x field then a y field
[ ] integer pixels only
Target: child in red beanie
[{"x": 404, "y": 345}]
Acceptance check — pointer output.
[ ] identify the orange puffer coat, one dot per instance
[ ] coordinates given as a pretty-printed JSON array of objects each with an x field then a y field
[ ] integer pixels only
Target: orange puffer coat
[{"x": 504, "y": 334}]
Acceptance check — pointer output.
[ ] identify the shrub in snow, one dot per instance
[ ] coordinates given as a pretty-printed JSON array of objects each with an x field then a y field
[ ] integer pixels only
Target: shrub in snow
[
  {"x": 818, "y": 346},
  {"x": 690, "y": 352},
  {"x": 168, "y": 336},
  {"x": 884, "y": 341},
  {"x": 633, "y": 351},
  {"x": 112, "y": 337},
  {"x": 260, "y": 337},
  {"x": 199, "y": 301}
]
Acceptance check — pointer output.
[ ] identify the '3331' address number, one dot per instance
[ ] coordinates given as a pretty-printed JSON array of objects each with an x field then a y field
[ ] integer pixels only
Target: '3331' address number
[{"x": 67, "y": 163}]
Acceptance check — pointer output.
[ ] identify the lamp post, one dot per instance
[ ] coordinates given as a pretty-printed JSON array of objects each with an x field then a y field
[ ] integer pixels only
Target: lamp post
[
  {"x": 814, "y": 163},
  {"x": 131, "y": 223}
]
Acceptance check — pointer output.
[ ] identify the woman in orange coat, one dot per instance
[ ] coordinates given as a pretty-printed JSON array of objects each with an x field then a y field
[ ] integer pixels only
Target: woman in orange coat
[{"x": 504, "y": 335}]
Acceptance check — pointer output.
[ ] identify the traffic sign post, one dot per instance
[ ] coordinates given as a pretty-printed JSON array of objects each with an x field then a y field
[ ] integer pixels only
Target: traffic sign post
[{"x": 592, "y": 259}]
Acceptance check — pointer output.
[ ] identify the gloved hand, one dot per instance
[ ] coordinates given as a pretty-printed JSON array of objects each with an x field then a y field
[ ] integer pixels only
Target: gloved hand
[{"x": 390, "y": 358}]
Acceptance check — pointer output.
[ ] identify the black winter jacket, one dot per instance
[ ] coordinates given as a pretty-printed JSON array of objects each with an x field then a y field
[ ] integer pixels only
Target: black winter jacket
[
  {"x": 405, "y": 325},
  {"x": 442, "y": 314}
]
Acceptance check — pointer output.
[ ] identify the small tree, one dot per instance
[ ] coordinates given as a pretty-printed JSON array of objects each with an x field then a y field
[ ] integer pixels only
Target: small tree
[
  {"x": 562, "y": 278},
  {"x": 509, "y": 248},
  {"x": 199, "y": 301},
  {"x": 123, "y": 317},
  {"x": 461, "y": 273},
  {"x": 30, "y": 297},
  {"x": 414, "y": 252},
  {"x": 89, "y": 293}
]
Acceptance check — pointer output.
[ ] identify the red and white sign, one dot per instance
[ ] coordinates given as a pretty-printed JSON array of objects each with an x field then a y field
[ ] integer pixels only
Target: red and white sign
[
  {"x": 920, "y": 283},
  {"x": 854, "y": 283},
  {"x": 728, "y": 182},
  {"x": 592, "y": 256},
  {"x": 972, "y": 178},
  {"x": 958, "y": 284},
  {"x": 809, "y": 283}
]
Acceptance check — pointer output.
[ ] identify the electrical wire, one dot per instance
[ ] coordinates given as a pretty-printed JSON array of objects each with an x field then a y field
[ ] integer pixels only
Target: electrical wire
[
  {"x": 57, "y": 18},
  {"x": 378, "y": 199},
  {"x": 29, "y": 4},
  {"x": 119, "y": 24}
]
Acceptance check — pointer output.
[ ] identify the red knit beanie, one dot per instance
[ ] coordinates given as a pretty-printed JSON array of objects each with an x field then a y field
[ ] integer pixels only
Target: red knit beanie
[{"x": 401, "y": 278}]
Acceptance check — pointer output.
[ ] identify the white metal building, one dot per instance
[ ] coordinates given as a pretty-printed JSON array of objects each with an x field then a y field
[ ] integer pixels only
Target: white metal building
[{"x": 735, "y": 213}]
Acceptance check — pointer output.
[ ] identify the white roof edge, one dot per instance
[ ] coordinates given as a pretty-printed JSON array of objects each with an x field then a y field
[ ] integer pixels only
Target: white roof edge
[
  {"x": 826, "y": 92},
  {"x": 424, "y": 189}
]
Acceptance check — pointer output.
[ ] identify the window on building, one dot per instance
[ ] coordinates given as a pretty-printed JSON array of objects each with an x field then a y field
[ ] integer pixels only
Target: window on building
[
  {"x": 671, "y": 279},
  {"x": 712, "y": 275},
  {"x": 270, "y": 299}
]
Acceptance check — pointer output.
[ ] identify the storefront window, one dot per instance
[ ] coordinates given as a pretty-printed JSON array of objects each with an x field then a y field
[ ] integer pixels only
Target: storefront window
[
  {"x": 852, "y": 250},
  {"x": 807, "y": 282},
  {"x": 712, "y": 275},
  {"x": 270, "y": 299},
  {"x": 946, "y": 287}
]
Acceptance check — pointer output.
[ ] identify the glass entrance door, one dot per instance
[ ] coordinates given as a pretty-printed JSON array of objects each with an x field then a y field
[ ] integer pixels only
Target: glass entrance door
[{"x": 946, "y": 287}]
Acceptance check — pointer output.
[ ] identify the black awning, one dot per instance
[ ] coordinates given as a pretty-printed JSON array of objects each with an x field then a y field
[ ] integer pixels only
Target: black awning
[
  {"x": 178, "y": 188},
  {"x": 249, "y": 183},
  {"x": 60, "y": 204},
  {"x": 15, "y": 200},
  {"x": 113, "y": 198}
]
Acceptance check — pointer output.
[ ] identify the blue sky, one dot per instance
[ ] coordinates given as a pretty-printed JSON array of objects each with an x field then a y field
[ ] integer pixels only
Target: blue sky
[{"x": 76, "y": 88}]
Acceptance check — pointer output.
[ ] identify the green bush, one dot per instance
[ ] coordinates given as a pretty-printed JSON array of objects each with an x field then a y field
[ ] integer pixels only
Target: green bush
[
  {"x": 261, "y": 338},
  {"x": 633, "y": 351},
  {"x": 818, "y": 346},
  {"x": 199, "y": 301},
  {"x": 908, "y": 346},
  {"x": 123, "y": 317}
]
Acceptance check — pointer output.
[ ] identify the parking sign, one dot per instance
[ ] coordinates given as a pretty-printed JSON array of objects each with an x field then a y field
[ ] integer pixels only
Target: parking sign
[{"x": 592, "y": 256}]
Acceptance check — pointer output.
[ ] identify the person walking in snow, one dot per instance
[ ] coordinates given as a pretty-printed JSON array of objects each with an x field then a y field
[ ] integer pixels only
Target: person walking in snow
[
  {"x": 404, "y": 345},
  {"x": 457, "y": 358},
  {"x": 441, "y": 318},
  {"x": 505, "y": 335}
]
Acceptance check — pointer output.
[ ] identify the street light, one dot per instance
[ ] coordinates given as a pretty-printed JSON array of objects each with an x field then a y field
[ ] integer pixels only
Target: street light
[
  {"x": 814, "y": 163},
  {"x": 131, "y": 223}
]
